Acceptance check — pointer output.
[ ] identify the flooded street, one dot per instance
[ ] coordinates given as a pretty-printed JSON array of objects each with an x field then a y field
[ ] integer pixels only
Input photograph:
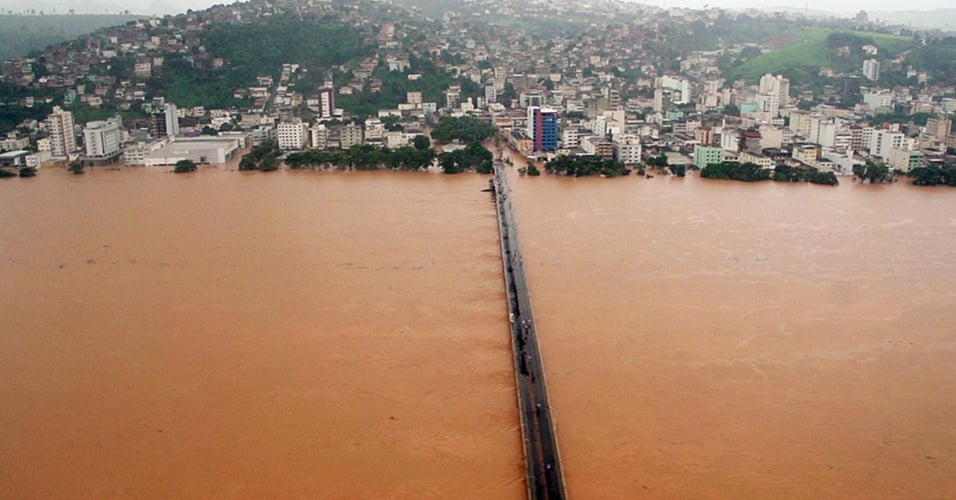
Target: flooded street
[
  {"x": 286, "y": 335},
  {"x": 717, "y": 339},
  {"x": 344, "y": 335}
]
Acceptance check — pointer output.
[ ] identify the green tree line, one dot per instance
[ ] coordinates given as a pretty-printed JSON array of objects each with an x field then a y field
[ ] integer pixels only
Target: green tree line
[
  {"x": 364, "y": 157},
  {"x": 583, "y": 166}
]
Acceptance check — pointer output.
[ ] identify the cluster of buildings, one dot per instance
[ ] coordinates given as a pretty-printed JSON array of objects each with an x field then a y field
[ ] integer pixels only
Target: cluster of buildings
[
  {"x": 614, "y": 91},
  {"x": 106, "y": 142}
]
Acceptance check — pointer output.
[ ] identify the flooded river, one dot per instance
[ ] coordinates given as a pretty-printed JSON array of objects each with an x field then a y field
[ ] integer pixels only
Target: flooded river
[
  {"x": 710, "y": 339},
  {"x": 221, "y": 335},
  {"x": 344, "y": 335}
]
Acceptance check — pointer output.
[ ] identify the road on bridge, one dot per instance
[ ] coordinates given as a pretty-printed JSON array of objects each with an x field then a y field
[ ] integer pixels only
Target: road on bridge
[{"x": 542, "y": 463}]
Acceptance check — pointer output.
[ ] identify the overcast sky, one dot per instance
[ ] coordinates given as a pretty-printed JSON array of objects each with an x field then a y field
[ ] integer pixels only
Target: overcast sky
[{"x": 176, "y": 6}]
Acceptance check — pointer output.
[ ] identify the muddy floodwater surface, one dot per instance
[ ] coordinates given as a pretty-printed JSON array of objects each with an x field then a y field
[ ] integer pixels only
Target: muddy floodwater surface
[
  {"x": 345, "y": 335},
  {"x": 713, "y": 339},
  {"x": 220, "y": 335}
]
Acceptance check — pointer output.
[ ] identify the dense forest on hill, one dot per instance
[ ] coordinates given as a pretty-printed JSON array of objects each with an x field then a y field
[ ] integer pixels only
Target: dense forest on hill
[{"x": 20, "y": 35}]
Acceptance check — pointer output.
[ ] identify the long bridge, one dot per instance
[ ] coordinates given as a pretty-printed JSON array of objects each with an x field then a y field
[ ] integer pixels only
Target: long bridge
[{"x": 542, "y": 464}]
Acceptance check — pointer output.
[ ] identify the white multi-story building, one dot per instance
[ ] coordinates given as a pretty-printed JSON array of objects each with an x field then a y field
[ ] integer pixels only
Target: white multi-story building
[
  {"x": 627, "y": 149},
  {"x": 102, "y": 139},
  {"x": 807, "y": 153},
  {"x": 326, "y": 100},
  {"x": 730, "y": 140},
  {"x": 491, "y": 94},
  {"x": 292, "y": 135},
  {"x": 62, "y": 135},
  {"x": 570, "y": 137},
  {"x": 14, "y": 143},
  {"x": 768, "y": 103},
  {"x": 395, "y": 139},
  {"x": 171, "y": 115},
  {"x": 885, "y": 141},
  {"x": 871, "y": 69},
  {"x": 866, "y": 138},
  {"x": 778, "y": 85},
  {"x": 772, "y": 137},
  {"x": 374, "y": 130},
  {"x": 822, "y": 131},
  {"x": 756, "y": 159},
  {"x": 800, "y": 122},
  {"x": 320, "y": 136},
  {"x": 878, "y": 100}
]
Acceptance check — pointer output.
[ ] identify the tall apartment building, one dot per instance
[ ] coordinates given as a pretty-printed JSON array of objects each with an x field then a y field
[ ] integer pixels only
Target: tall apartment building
[
  {"x": 939, "y": 127},
  {"x": 542, "y": 128},
  {"x": 871, "y": 69},
  {"x": 885, "y": 141},
  {"x": 768, "y": 103},
  {"x": 171, "y": 115},
  {"x": 779, "y": 86},
  {"x": 501, "y": 77},
  {"x": 491, "y": 94},
  {"x": 453, "y": 97},
  {"x": 327, "y": 101},
  {"x": 102, "y": 139},
  {"x": 62, "y": 135}
]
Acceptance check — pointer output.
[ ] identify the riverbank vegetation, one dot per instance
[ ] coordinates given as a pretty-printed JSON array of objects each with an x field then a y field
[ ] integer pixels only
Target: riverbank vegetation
[
  {"x": 184, "y": 167},
  {"x": 264, "y": 157},
  {"x": 872, "y": 172},
  {"x": 577, "y": 166},
  {"x": 747, "y": 172},
  {"x": 364, "y": 157},
  {"x": 751, "y": 172},
  {"x": 472, "y": 157},
  {"x": 785, "y": 173},
  {"x": 934, "y": 175}
]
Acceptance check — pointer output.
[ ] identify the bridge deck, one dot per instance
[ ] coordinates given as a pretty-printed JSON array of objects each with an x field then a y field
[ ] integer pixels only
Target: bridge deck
[{"x": 543, "y": 467}]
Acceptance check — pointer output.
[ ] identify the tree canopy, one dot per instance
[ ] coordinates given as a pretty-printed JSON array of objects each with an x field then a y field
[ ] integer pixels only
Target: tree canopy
[
  {"x": 748, "y": 172},
  {"x": 872, "y": 172},
  {"x": 465, "y": 129},
  {"x": 582, "y": 166},
  {"x": 472, "y": 157},
  {"x": 363, "y": 157},
  {"x": 184, "y": 166}
]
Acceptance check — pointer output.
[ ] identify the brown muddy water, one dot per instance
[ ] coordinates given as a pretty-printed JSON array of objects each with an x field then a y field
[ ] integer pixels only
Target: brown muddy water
[
  {"x": 344, "y": 335},
  {"x": 221, "y": 335},
  {"x": 708, "y": 339}
]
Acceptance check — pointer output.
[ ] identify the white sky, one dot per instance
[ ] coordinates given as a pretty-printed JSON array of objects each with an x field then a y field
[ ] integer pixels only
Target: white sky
[
  {"x": 176, "y": 6},
  {"x": 841, "y": 6}
]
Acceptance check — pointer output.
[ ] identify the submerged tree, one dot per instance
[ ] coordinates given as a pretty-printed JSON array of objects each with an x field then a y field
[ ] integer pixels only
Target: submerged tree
[{"x": 184, "y": 166}]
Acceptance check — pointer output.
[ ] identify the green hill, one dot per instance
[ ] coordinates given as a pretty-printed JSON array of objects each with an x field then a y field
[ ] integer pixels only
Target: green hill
[
  {"x": 814, "y": 48},
  {"x": 19, "y": 35}
]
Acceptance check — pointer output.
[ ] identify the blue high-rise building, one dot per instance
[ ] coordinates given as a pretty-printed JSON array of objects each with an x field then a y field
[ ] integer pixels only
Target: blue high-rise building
[{"x": 543, "y": 128}]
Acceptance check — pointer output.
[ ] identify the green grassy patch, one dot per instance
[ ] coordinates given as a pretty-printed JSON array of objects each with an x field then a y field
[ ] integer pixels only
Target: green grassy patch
[{"x": 807, "y": 52}]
